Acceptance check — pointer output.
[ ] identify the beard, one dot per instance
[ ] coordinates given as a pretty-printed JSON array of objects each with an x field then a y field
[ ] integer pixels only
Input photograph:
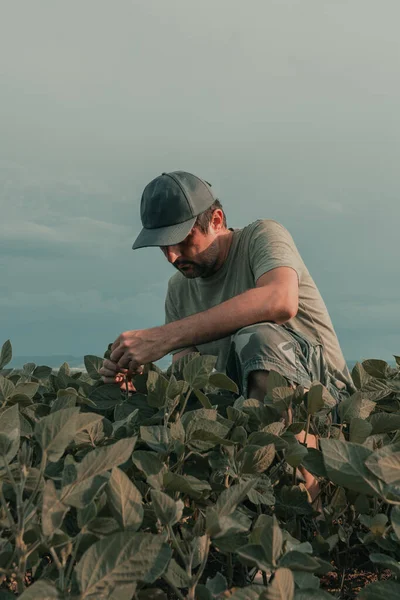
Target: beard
[{"x": 203, "y": 266}]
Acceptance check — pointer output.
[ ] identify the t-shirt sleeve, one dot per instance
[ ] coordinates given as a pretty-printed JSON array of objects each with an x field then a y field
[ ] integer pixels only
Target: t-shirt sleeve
[{"x": 272, "y": 246}]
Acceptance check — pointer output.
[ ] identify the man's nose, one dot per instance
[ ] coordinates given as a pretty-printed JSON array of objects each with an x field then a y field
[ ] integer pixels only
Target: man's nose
[{"x": 172, "y": 253}]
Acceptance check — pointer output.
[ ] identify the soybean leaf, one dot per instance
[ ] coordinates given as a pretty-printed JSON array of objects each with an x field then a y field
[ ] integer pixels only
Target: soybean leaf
[
  {"x": 6, "y": 388},
  {"x": 295, "y": 454},
  {"x": 385, "y": 561},
  {"x": 106, "y": 396},
  {"x": 282, "y": 586},
  {"x": 385, "y": 464},
  {"x": 156, "y": 437},
  {"x": 122, "y": 557},
  {"x": 380, "y": 590},
  {"x": 312, "y": 594},
  {"x": 93, "y": 364},
  {"x": 299, "y": 561},
  {"x": 9, "y": 434},
  {"x": 56, "y": 431},
  {"x": 186, "y": 484},
  {"x": 223, "y": 382},
  {"x": 197, "y": 371},
  {"x": 5, "y": 354},
  {"x": 151, "y": 465},
  {"x": 359, "y": 430},
  {"x": 231, "y": 497},
  {"x": 125, "y": 500},
  {"x": 255, "y": 459},
  {"x": 95, "y": 463},
  {"x": 167, "y": 510},
  {"x": 384, "y": 422},
  {"x": 271, "y": 540},
  {"x": 157, "y": 386},
  {"x": 395, "y": 520},
  {"x": 42, "y": 372},
  {"x": 45, "y": 590},
  {"x": 345, "y": 465},
  {"x": 176, "y": 575},
  {"x": 217, "y": 584},
  {"x": 53, "y": 510}
]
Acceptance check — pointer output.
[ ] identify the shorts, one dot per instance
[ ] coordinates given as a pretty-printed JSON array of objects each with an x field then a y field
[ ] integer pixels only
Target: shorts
[{"x": 268, "y": 346}]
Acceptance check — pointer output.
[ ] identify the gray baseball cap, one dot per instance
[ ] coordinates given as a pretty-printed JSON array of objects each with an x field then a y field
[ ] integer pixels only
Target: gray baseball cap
[{"x": 169, "y": 206}]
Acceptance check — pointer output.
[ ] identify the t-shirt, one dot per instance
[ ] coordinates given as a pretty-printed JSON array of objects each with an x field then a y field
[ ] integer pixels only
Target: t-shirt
[{"x": 256, "y": 249}]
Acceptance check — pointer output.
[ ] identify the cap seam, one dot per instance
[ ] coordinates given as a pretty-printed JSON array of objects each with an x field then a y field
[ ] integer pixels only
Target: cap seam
[{"x": 183, "y": 191}]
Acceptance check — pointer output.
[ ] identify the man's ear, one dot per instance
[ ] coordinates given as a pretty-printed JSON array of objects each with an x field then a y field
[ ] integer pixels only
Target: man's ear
[{"x": 217, "y": 220}]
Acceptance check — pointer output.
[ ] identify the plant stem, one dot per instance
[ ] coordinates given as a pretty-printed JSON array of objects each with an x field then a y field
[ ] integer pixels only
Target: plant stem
[
  {"x": 72, "y": 560},
  {"x": 307, "y": 429},
  {"x": 185, "y": 401}
]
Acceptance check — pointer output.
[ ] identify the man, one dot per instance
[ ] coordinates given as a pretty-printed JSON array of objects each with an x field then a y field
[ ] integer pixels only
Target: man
[{"x": 244, "y": 295}]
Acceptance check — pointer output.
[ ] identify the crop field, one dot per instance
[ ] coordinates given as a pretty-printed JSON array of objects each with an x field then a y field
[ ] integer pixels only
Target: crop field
[{"x": 186, "y": 490}]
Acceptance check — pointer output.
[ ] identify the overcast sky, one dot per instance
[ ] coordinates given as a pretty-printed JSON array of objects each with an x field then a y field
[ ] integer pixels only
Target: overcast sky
[{"x": 289, "y": 108}]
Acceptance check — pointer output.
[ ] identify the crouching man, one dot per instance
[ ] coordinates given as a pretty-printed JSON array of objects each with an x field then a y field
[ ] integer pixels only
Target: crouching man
[{"x": 244, "y": 295}]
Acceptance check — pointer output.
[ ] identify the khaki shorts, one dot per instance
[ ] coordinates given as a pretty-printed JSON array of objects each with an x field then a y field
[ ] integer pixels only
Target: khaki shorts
[{"x": 268, "y": 346}]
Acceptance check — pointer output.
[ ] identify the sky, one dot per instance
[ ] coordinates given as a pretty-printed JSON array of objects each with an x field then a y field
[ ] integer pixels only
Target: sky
[{"x": 289, "y": 108}]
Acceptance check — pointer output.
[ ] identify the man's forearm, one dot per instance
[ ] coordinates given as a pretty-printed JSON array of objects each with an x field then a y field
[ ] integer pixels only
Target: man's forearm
[{"x": 253, "y": 306}]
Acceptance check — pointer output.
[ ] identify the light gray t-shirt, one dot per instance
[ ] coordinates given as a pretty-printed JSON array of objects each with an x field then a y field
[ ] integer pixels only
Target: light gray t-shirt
[{"x": 256, "y": 249}]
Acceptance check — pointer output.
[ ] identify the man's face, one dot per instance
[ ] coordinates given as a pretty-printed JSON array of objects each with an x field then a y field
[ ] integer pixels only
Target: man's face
[{"x": 196, "y": 256}]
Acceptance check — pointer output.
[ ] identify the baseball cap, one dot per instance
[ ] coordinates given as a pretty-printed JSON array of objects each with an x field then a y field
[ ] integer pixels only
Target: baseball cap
[{"x": 169, "y": 206}]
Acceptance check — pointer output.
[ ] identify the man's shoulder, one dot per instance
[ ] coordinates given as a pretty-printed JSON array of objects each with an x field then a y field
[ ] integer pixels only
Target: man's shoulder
[{"x": 263, "y": 225}]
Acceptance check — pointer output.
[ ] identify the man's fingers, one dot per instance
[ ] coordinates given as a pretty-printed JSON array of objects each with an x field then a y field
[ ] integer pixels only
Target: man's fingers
[
  {"x": 116, "y": 355},
  {"x": 116, "y": 343}
]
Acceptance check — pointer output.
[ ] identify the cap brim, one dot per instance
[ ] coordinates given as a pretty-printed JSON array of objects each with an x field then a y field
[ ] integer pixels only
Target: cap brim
[{"x": 164, "y": 236}]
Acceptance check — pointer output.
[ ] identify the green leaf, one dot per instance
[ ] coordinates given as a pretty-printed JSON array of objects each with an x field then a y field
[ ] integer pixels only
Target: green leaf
[
  {"x": 28, "y": 388},
  {"x": 5, "y": 354},
  {"x": 156, "y": 437},
  {"x": 125, "y": 500},
  {"x": 176, "y": 575},
  {"x": 53, "y": 510},
  {"x": 315, "y": 400},
  {"x": 376, "y": 368},
  {"x": 9, "y": 434},
  {"x": 313, "y": 461},
  {"x": 360, "y": 376},
  {"x": 204, "y": 434},
  {"x": 359, "y": 430},
  {"x": 56, "y": 431},
  {"x": 384, "y": 422},
  {"x": 186, "y": 484},
  {"x": 202, "y": 398},
  {"x": 295, "y": 454},
  {"x": 65, "y": 399},
  {"x": 387, "y": 562},
  {"x": 93, "y": 365},
  {"x": 91, "y": 428},
  {"x": 355, "y": 407},
  {"x": 345, "y": 465},
  {"x": 282, "y": 586},
  {"x": 229, "y": 499},
  {"x": 197, "y": 371},
  {"x": 6, "y": 388},
  {"x": 312, "y": 594},
  {"x": 167, "y": 510},
  {"x": 271, "y": 540},
  {"x": 95, "y": 463},
  {"x": 106, "y": 396},
  {"x": 299, "y": 561},
  {"x": 293, "y": 501},
  {"x": 41, "y": 590},
  {"x": 123, "y": 557},
  {"x": 385, "y": 464},
  {"x": 395, "y": 520},
  {"x": 42, "y": 372},
  {"x": 380, "y": 590},
  {"x": 223, "y": 382},
  {"x": 254, "y": 460},
  {"x": 253, "y": 554},
  {"x": 151, "y": 465},
  {"x": 157, "y": 386},
  {"x": 217, "y": 584}
]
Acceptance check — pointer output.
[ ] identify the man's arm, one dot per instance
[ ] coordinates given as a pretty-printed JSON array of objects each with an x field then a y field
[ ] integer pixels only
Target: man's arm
[
  {"x": 179, "y": 355},
  {"x": 275, "y": 298}
]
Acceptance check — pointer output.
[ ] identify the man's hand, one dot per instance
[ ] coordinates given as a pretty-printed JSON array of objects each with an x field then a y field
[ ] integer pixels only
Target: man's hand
[
  {"x": 112, "y": 373},
  {"x": 139, "y": 347}
]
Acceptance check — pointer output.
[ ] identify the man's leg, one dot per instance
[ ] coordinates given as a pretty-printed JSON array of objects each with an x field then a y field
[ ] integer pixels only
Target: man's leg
[{"x": 257, "y": 388}]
